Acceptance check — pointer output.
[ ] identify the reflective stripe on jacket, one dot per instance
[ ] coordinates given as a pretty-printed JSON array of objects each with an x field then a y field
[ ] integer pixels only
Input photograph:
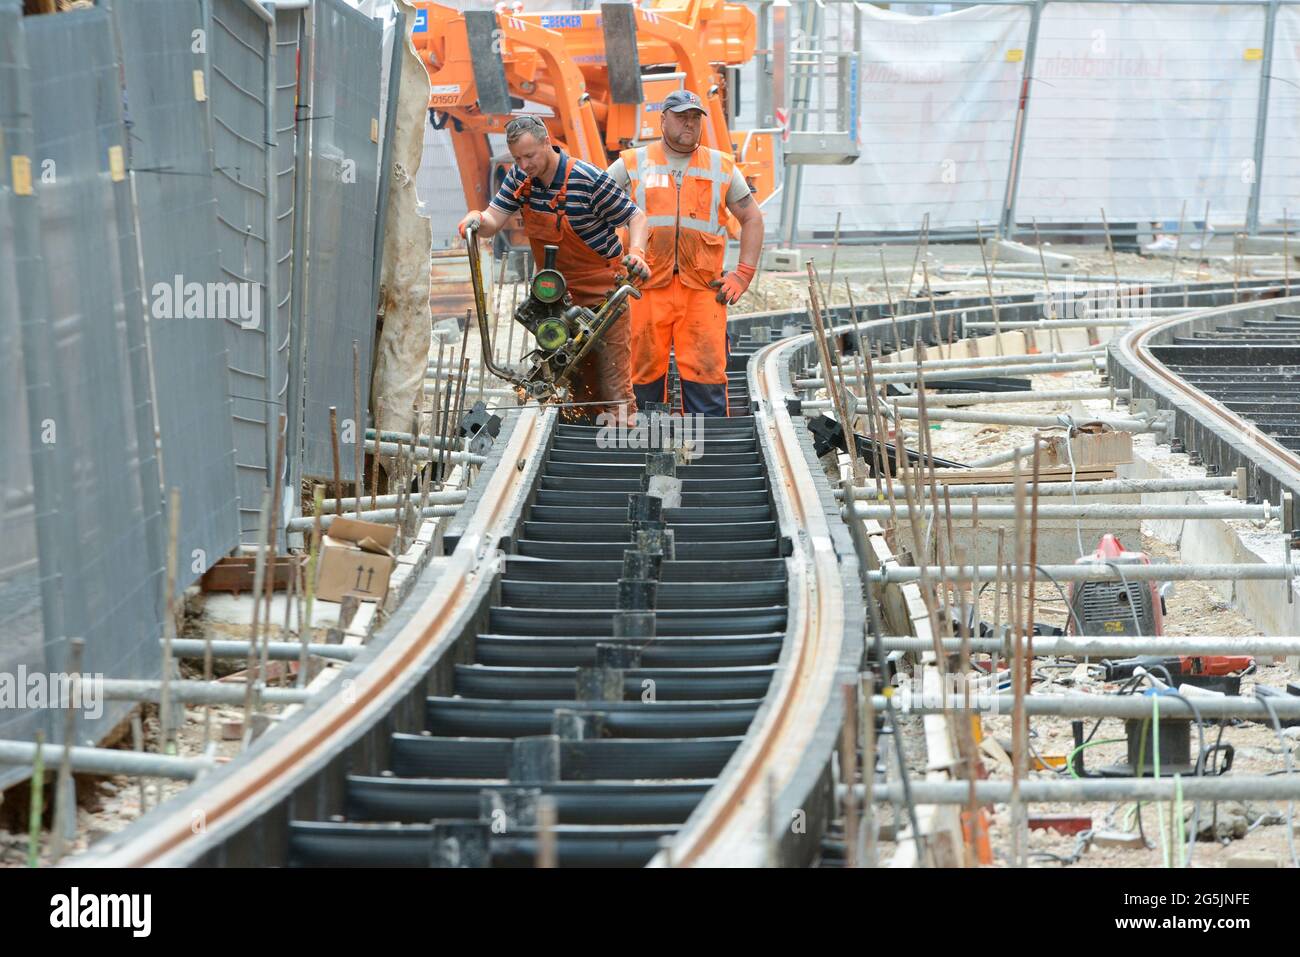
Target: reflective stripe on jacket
[{"x": 688, "y": 224}]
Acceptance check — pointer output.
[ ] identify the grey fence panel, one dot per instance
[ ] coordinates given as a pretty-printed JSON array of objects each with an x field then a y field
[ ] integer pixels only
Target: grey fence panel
[
  {"x": 104, "y": 478},
  {"x": 238, "y": 47},
  {"x": 26, "y": 572},
  {"x": 170, "y": 157},
  {"x": 288, "y": 39},
  {"x": 340, "y": 302}
]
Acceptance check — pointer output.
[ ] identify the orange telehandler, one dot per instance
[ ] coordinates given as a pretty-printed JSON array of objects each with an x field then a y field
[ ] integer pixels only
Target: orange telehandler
[{"x": 600, "y": 74}]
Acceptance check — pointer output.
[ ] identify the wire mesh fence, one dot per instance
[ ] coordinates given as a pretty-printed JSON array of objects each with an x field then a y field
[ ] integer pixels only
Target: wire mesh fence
[{"x": 154, "y": 268}]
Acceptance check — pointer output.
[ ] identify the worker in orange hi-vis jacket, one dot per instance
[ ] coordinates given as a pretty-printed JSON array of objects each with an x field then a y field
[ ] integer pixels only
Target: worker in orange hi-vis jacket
[
  {"x": 577, "y": 207},
  {"x": 686, "y": 191}
]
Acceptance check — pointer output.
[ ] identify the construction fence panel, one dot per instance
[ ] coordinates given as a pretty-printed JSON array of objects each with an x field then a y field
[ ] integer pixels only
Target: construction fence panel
[
  {"x": 170, "y": 158},
  {"x": 102, "y": 494},
  {"x": 1280, "y": 174},
  {"x": 344, "y": 175},
  {"x": 27, "y": 578},
  {"x": 936, "y": 124},
  {"x": 1140, "y": 108},
  {"x": 239, "y": 46}
]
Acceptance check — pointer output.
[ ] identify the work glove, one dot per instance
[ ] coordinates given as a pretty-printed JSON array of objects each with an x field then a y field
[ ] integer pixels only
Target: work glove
[
  {"x": 636, "y": 266},
  {"x": 472, "y": 218},
  {"x": 733, "y": 285}
]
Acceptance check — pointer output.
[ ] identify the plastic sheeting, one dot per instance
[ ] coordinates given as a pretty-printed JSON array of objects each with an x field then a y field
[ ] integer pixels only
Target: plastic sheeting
[
  {"x": 170, "y": 157},
  {"x": 340, "y": 300},
  {"x": 939, "y": 99},
  {"x": 1138, "y": 108},
  {"x": 1280, "y": 175},
  {"x": 402, "y": 352}
]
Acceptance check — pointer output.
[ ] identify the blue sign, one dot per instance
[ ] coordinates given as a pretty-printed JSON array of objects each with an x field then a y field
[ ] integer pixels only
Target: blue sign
[
  {"x": 568, "y": 21},
  {"x": 421, "y": 22}
]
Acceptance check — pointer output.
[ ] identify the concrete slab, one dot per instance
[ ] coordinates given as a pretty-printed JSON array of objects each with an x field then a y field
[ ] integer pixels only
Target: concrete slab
[{"x": 1007, "y": 250}]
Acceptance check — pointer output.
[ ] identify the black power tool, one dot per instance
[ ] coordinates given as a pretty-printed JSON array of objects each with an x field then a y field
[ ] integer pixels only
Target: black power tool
[{"x": 563, "y": 330}]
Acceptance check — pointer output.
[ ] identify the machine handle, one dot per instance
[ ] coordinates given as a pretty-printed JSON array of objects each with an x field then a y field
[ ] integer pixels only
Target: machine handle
[{"x": 480, "y": 307}]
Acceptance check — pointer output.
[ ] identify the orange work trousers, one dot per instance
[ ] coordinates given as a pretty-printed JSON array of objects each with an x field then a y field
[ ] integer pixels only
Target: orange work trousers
[{"x": 691, "y": 324}]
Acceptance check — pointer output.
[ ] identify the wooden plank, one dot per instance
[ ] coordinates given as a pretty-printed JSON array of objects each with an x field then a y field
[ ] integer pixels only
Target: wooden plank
[{"x": 1055, "y": 473}]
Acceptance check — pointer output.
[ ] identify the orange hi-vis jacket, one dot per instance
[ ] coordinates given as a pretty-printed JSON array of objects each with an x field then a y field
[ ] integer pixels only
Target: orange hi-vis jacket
[{"x": 688, "y": 225}]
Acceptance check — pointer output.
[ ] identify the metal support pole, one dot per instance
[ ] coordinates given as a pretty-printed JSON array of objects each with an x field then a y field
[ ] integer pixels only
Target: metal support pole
[
  {"x": 1049, "y": 325},
  {"x": 406, "y": 438},
  {"x": 109, "y": 760},
  {"x": 1008, "y": 225},
  {"x": 1032, "y": 421},
  {"x": 1094, "y": 571},
  {"x": 452, "y": 497},
  {"x": 1100, "y": 646},
  {"x": 883, "y": 365},
  {"x": 1103, "y": 487},
  {"x": 423, "y": 454},
  {"x": 1261, "y": 118},
  {"x": 1285, "y": 787},
  {"x": 1049, "y": 395},
  {"x": 1097, "y": 706},
  {"x": 1005, "y": 366},
  {"x": 432, "y": 389},
  {"x": 278, "y": 650},
  {"x": 383, "y": 516},
  {"x": 943, "y": 375},
  {"x": 998, "y": 458},
  {"x": 198, "y": 692},
  {"x": 796, "y": 106}
]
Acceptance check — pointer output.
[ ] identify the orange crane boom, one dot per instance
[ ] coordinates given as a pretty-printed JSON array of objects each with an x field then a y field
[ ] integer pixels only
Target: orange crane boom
[{"x": 557, "y": 60}]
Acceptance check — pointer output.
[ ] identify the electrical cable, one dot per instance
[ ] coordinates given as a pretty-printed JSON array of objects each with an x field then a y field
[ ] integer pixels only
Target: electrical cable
[
  {"x": 1069, "y": 761},
  {"x": 1068, "y": 604},
  {"x": 1197, "y": 772},
  {"x": 1155, "y": 768},
  {"x": 1074, "y": 493}
]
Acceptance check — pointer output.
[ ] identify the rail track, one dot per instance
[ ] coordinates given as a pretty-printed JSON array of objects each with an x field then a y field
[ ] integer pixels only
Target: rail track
[
  {"x": 475, "y": 691},
  {"x": 1231, "y": 376},
  {"x": 480, "y": 727}
]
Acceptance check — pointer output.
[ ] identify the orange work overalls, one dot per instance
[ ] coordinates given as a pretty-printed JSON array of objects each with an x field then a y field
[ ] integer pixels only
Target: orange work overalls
[
  {"x": 603, "y": 380},
  {"x": 677, "y": 311}
]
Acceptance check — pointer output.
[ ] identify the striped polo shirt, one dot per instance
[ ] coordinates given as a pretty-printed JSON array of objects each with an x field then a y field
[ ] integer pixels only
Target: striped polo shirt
[{"x": 595, "y": 205}]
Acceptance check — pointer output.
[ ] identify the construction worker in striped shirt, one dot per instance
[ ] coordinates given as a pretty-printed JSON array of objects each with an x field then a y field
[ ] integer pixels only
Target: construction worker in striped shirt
[
  {"x": 575, "y": 206},
  {"x": 687, "y": 191}
]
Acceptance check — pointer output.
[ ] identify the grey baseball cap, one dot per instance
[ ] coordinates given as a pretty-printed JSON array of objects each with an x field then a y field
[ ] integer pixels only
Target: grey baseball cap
[{"x": 679, "y": 101}]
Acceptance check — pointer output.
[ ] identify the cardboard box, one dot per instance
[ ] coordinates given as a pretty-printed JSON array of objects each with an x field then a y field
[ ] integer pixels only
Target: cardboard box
[
  {"x": 1091, "y": 449},
  {"x": 356, "y": 559}
]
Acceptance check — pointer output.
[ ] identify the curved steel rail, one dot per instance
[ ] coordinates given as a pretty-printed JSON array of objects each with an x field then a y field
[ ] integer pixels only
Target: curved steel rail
[
  {"x": 1221, "y": 436},
  {"x": 784, "y": 761},
  {"x": 204, "y": 814},
  {"x": 730, "y": 827},
  {"x": 781, "y": 749}
]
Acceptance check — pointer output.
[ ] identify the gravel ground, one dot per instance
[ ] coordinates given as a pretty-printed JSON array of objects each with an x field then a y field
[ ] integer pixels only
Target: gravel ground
[{"x": 1254, "y": 831}]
